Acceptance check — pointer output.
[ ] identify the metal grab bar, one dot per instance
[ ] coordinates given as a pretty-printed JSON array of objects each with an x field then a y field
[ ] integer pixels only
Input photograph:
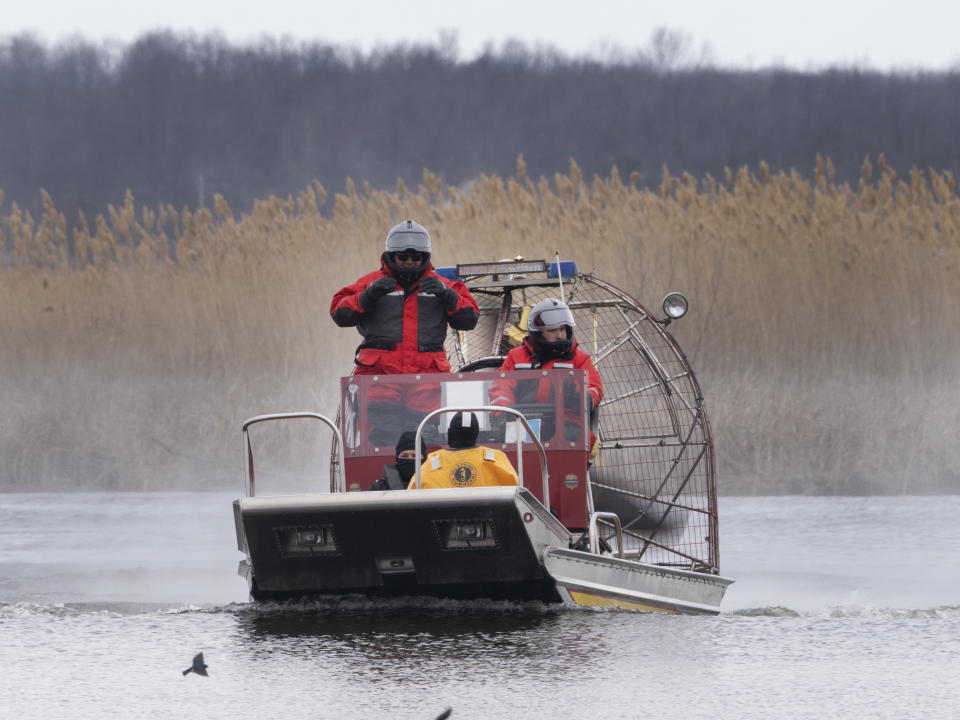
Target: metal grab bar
[
  {"x": 248, "y": 487},
  {"x": 508, "y": 411},
  {"x": 595, "y": 535}
]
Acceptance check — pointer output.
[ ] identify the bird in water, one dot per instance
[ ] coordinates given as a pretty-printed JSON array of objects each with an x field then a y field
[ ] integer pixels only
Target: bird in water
[
  {"x": 445, "y": 714},
  {"x": 199, "y": 666}
]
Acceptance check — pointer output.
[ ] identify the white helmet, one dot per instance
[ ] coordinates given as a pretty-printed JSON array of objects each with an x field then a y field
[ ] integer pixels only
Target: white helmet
[
  {"x": 408, "y": 235},
  {"x": 550, "y": 314}
]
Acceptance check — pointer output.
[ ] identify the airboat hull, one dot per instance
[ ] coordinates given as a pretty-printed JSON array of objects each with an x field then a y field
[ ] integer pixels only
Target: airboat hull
[{"x": 471, "y": 543}]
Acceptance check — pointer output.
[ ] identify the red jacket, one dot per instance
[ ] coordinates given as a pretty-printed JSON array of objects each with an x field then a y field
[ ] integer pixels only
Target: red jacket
[
  {"x": 502, "y": 392},
  {"x": 405, "y": 331}
]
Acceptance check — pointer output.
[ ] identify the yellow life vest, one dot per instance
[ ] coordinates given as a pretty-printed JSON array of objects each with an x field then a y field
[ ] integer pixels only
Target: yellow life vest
[{"x": 470, "y": 467}]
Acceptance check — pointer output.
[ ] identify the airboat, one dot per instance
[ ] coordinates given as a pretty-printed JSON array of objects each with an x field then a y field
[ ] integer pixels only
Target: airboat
[{"x": 629, "y": 521}]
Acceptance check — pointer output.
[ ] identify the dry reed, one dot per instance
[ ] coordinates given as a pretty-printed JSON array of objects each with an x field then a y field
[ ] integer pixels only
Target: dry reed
[{"x": 823, "y": 326}]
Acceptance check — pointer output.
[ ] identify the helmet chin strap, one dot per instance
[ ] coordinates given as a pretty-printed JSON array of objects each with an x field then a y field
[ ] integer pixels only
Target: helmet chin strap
[
  {"x": 555, "y": 349},
  {"x": 404, "y": 276}
]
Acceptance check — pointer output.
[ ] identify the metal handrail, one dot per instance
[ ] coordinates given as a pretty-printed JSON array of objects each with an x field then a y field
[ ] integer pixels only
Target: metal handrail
[
  {"x": 249, "y": 487},
  {"x": 595, "y": 535},
  {"x": 490, "y": 409}
]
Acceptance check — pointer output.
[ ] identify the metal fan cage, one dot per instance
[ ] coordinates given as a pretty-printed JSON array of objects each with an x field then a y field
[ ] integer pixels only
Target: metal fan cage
[{"x": 655, "y": 468}]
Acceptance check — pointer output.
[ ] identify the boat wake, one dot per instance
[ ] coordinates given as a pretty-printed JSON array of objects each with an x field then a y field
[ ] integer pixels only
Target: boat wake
[
  {"x": 359, "y": 606},
  {"x": 772, "y": 611},
  {"x": 11, "y": 610},
  {"x": 350, "y": 605},
  {"x": 943, "y": 612}
]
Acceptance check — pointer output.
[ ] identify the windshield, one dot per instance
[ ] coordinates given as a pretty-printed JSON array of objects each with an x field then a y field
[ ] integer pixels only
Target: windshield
[{"x": 376, "y": 409}]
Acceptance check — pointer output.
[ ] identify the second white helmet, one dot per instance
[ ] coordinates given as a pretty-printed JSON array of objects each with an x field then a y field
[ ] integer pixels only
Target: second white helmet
[{"x": 550, "y": 314}]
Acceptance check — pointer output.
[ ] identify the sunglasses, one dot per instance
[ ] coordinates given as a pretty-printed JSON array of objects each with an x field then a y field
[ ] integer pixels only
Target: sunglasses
[{"x": 408, "y": 255}]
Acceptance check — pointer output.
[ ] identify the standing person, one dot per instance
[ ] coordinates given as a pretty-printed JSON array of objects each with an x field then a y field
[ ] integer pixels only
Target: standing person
[
  {"x": 549, "y": 344},
  {"x": 465, "y": 464},
  {"x": 402, "y": 312},
  {"x": 397, "y": 476}
]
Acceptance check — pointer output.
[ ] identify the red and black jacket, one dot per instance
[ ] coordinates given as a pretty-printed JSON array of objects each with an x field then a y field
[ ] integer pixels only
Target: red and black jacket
[
  {"x": 404, "y": 324},
  {"x": 507, "y": 392}
]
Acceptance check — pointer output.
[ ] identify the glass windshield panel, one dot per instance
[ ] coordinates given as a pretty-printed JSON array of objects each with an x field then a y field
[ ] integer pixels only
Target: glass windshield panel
[{"x": 376, "y": 410}]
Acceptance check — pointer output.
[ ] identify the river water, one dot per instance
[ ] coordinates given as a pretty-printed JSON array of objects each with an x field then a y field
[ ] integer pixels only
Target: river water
[{"x": 843, "y": 608}]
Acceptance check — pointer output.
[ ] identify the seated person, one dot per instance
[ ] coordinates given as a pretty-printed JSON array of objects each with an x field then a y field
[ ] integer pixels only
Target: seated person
[
  {"x": 396, "y": 476},
  {"x": 549, "y": 344},
  {"x": 465, "y": 464}
]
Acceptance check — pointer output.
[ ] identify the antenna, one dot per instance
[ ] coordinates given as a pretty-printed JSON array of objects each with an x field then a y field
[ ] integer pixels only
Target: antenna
[{"x": 560, "y": 276}]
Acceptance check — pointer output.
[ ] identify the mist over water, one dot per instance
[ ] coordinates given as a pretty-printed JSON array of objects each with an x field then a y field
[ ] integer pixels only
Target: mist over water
[{"x": 842, "y": 607}]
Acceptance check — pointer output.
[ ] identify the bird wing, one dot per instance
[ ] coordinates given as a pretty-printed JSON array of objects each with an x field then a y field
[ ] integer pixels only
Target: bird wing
[{"x": 199, "y": 666}]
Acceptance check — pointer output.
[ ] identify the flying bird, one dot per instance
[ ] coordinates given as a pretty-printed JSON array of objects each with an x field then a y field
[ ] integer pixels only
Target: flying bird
[{"x": 199, "y": 666}]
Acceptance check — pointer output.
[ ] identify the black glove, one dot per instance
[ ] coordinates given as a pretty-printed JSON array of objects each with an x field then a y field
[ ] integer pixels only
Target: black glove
[
  {"x": 434, "y": 285},
  {"x": 376, "y": 290}
]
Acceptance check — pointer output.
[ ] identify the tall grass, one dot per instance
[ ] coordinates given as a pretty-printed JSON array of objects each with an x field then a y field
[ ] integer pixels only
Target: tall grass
[{"x": 824, "y": 322}]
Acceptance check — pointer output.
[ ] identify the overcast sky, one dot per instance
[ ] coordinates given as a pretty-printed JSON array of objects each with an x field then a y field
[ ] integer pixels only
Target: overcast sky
[{"x": 804, "y": 34}]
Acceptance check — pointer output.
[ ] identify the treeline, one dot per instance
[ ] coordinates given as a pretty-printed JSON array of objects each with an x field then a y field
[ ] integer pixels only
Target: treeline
[{"x": 180, "y": 118}]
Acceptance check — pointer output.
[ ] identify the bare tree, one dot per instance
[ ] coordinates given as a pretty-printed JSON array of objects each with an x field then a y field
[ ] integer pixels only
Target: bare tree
[{"x": 85, "y": 121}]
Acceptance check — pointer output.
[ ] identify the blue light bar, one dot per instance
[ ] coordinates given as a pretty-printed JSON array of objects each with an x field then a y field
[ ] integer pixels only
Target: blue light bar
[
  {"x": 568, "y": 268},
  {"x": 450, "y": 273}
]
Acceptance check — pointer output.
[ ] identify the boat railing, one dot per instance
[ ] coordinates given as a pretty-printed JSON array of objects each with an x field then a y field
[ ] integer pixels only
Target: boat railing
[
  {"x": 544, "y": 477},
  {"x": 614, "y": 519},
  {"x": 336, "y": 474}
]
